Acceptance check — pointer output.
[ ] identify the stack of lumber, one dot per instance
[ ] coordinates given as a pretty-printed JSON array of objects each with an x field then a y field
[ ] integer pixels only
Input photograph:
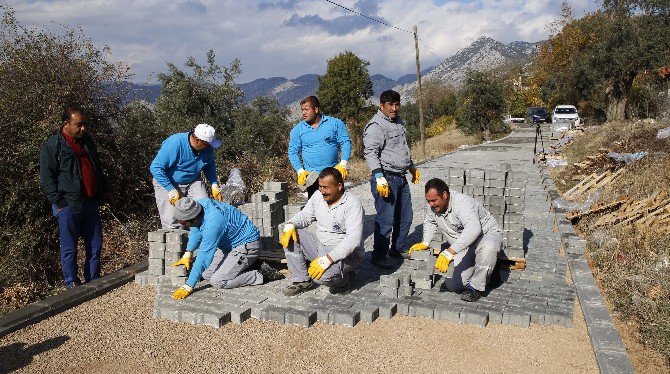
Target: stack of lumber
[
  {"x": 590, "y": 183},
  {"x": 653, "y": 211}
]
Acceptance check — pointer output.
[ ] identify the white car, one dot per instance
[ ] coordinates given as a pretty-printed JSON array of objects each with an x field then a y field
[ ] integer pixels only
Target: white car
[{"x": 565, "y": 115}]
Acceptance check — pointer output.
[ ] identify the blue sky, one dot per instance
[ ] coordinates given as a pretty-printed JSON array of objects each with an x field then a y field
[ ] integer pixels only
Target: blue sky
[{"x": 291, "y": 37}]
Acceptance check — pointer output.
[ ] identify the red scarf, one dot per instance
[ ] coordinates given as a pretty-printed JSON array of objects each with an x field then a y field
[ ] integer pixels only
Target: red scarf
[{"x": 88, "y": 179}]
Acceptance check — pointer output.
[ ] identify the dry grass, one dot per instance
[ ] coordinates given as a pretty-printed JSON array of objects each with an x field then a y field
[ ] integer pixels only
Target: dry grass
[{"x": 632, "y": 267}]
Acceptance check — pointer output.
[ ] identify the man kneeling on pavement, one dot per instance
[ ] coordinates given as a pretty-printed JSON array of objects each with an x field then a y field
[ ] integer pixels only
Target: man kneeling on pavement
[
  {"x": 336, "y": 249},
  {"x": 227, "y": 243},
  {"x": 474, "y": 238}
]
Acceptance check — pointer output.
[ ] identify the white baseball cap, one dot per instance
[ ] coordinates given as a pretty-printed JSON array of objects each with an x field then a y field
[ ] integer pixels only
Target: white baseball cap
[{"x": 207, "y": 133}]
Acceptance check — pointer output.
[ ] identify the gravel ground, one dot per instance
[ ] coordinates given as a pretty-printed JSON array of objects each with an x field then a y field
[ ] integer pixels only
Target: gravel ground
[{"x": 116, "y": 333}]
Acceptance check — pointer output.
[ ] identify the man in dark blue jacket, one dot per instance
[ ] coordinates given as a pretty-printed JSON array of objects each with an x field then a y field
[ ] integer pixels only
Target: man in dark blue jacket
[{"x": 72, "y": 179}]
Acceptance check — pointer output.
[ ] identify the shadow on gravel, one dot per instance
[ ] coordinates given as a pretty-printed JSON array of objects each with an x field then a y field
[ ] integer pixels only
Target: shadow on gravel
[{"x": 18, "y": 355}]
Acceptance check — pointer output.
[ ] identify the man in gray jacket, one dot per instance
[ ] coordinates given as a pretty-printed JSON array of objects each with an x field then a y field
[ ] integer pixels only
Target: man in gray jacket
[
  {"x": 474, "y": 237},
  {"x": 337, "y": 248},
  {"x": 388, "y": 157}
]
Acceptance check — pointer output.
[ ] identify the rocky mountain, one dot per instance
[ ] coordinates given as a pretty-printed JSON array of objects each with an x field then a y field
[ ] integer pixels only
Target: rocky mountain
[
  {"x": 483, "y": 54},
  {"x": 290, "y": 91}
]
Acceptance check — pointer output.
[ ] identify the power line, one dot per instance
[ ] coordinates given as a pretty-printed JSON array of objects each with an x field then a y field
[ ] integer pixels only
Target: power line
[
  {"x": 387, "y": 24},
  {"x": 368, "y": 17}
]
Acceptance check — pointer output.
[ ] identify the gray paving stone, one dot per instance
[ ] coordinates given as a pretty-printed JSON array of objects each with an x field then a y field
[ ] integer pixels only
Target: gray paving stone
[
  {"x": 303, "y": 318},
  {"x": 387, "y": 309},
  {"x": 345, "y": 317},
  {"x": 474, "y": 316},
  {"x": 448, "y": 313},
  {"x": 614, "y": 362},
  {"x": 369, "y": 313},
  {"x": 274, "y": 313},
  {"x": 516, "y": 318}
]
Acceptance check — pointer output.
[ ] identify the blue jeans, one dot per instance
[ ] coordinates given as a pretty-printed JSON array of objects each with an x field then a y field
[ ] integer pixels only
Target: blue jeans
[
  {"x": 394, "y": 216},
  {"x": 73, "y": 223}
]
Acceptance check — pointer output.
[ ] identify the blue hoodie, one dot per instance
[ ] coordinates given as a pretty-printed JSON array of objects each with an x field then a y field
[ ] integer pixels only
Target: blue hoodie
[
  {"x": 176, "y": 162},
  {"x": 224, "y": 227}
]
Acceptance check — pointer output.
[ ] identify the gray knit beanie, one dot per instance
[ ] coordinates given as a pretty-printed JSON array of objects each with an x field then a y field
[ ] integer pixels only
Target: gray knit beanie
[{"x": 186, "y": 209}]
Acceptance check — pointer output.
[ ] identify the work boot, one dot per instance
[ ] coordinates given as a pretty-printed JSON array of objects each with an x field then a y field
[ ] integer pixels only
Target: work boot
[
  {"x": 345, "y": 288},
  {"x": 269, "y": 273},
  {"x": 470, "y": 294},
  {"x": 396, "y": 254},
  {"x": 297, "y": 288},
  {"x": 384, "y": 264}
]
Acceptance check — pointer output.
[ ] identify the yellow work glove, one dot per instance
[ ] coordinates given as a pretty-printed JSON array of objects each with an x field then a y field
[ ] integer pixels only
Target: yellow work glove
[
  {"x": 302, "y": 176},
  {"x": 184, "y": 260},
  {"x": 382, "y": 185},
  {"x": 319, "y": 266},
  {"x": 417, "y": 247},
  {"x": 443, "y": 261},
  {"x": 342, "y": 168},
  {"x": 416, "y": 175},
  {"x": 288, "y": 234},
  {"x": 174, "y": 196},
  {"x": 182, "y": 292},
  {"x": 216, "y": 192}
]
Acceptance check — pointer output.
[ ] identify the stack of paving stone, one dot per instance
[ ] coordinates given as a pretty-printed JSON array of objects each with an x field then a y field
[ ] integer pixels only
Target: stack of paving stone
[
  {"x": 502, "y": 193},
  {"x": 266, "y": 211},
  {"x": 165, "y": 247}
]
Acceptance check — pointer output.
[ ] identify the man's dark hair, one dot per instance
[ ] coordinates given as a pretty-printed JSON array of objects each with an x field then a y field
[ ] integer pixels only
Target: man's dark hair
[
  {"x": 438, "y": 185},
  {"x": 331, "y": 171},
  {"x": 69, "y": 111},
  {"x": 389, "y": 96},
  {"x": 313, "y": 100}
]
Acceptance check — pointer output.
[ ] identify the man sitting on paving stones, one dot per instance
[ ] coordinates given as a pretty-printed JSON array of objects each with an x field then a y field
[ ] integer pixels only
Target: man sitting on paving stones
[
  {"x": 318, "y": 139},
  {"x": 227, "y": 244},
  {"x": 474, "y": 238},
  {"x": 337, "y": 248},
  {"x": 388, "y": 157},
  {"x": 177, "y": 167}
]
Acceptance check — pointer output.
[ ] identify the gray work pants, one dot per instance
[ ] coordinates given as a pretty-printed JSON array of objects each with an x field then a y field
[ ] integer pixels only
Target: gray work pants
[
  {"x": 299, "y": 255},
  {"x": 475, "y": 264},
  {"x": 195, "y": 190},
  {"x": 229, "y": 270}
]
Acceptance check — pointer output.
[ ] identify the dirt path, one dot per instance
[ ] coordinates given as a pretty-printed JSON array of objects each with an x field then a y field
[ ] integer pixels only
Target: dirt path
[{"x": 116, "y": 333}]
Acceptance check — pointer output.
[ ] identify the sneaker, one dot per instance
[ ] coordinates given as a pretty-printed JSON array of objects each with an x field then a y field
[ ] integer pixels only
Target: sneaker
[
  {"x": 384, "y": 264},
  {"x": 396, "y": 254},
  {"x": 269, "y": 273},
  {"x": 470, "y": 294},
  {"x": 297, "y": 288},
  {"x": 345, "y": 288}
]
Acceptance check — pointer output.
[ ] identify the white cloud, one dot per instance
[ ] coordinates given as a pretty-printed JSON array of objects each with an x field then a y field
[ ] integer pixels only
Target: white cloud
[{"x": 146, "y": 34}]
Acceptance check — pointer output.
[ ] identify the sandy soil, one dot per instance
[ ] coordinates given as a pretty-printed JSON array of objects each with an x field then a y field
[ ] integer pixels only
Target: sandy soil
[{"x": 115, "y": 333}]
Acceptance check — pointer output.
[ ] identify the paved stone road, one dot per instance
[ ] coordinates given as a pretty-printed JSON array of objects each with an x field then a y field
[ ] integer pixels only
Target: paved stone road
[{"x": 538, "y": 294}]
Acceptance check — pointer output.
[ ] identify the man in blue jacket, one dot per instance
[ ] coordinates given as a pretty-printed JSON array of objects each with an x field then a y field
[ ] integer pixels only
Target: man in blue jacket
[
  {"x": 318, "y": 139},
  {"x": 73, "y": 181},
  {"x": 176, "y": 170},
  {"x": 227, "y": 243}
]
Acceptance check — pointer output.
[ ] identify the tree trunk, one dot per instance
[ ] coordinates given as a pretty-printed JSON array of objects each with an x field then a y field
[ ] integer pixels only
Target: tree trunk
[
  {"x": 617, "y": 97},
  {"x": 616, "y": 108}
]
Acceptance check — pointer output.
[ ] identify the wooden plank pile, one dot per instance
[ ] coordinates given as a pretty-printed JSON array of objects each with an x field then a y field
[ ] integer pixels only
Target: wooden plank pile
[
  {"x": 591, "y": 183},
  {"x": 652, "y": 211}
]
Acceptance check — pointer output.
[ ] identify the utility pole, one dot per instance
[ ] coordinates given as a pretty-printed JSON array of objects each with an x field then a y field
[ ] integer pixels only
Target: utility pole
[{"x": 420, "y": 99}]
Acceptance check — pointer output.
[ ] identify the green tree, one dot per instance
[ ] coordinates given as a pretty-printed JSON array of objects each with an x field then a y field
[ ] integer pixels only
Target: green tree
[
  {"x": 345, "y": 87},
  {"x": 205, "y": 94},
  {"x": 481, "y": 104}
]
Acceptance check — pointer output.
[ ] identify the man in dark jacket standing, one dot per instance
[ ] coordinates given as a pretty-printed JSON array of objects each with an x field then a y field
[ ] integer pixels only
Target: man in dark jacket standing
[{"x": 74, "y": 184}]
